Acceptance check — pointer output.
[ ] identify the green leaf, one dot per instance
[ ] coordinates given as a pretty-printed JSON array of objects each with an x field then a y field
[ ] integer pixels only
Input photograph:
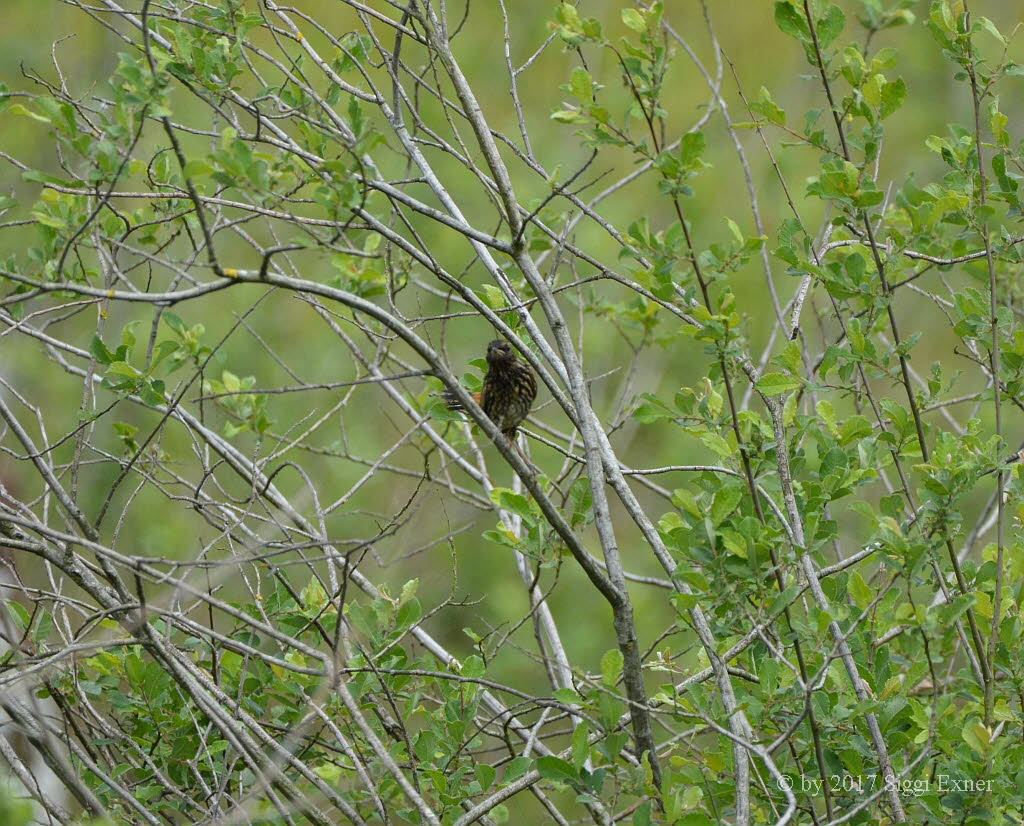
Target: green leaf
[
  {"x": 977, "y": 736},
  {"x": 791, "y": 22},
  {"x": 19, "y": 109},
  {"x": 764, "y": 105},
  {"x": 123, "y": 368},
  {"x": 893, "y": 95},
  {"x": 715, "y": 443},
  {"x": 516, "y": 768},
  {"x": 652, "y": 410},
  {"x": 635, "y": 20},
  {"x": 790, "y": 357},
  {"x": 128, "y": 334},
  {"x": 328, "y": 772},
  {"x": 784, "y": 599},
  {"x": 691, "y": 148},
  {"x": 152, "y": 392},
  {"x": 986, "y": 25},
  {"x": 484, "y": 774},
  {"x": 734, "y": 542},
  {"x": 611, "y": 666},
  {"x": 642, "y": 815},
  {"x": 197, "y": 166},
  {"x": 775, "y": 384},
  {"x": 555, "y": 768},
  {"x": 997, "y": 124},
  {"x": 99, "y": 351},
  {"x": 724, "y": 503},
  {"x": 854, "y": 427},
  {"x": 568, "y": 15},
  {"x": 18, "y": 614},
  {"x": 511, "y": 501},
  {"x": 232, "y": 384},
  {"x": 581, "y": 85},
  {"x": 409, "y": 613},
  {"x": 869, "y": 198},
  {"x": 580, "y": 745},
  {"x": 859, "y": 590},
  {"x": 162, "y": 351},
  {"x": 569, "y": 116},
  {"x": 830, "y": 26},
  {"x": 684, "y": 499},
  {"x": 473, "y": 666},
  {"x": 884, "y": 59},
  {"x": 569, "y": 696}
]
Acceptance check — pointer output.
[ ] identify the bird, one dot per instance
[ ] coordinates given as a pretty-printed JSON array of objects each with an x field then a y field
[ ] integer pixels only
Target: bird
[{"x": 508, "y": 390}]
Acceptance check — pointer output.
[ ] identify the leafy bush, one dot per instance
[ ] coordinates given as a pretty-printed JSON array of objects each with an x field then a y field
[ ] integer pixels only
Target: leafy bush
[{"x": 761, "y": 561}]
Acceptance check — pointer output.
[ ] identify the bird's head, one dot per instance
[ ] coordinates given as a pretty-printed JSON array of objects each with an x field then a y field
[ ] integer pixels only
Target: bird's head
[{"x": 499, "y": 352}]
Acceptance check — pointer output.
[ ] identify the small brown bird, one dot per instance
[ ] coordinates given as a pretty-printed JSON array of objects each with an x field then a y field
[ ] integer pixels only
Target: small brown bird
[{"x": 508, "y": 391}]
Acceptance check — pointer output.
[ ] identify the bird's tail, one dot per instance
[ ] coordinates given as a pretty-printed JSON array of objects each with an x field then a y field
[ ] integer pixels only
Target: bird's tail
[{"x": 452, "y": 400}]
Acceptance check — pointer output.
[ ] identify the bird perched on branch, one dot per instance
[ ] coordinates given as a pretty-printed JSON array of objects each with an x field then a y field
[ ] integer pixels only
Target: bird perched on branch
[{"x": 508, "y": 390}]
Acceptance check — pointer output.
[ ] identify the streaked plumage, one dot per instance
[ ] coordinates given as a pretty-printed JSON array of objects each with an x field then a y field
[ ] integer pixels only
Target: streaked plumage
[{"x": 508, "y": 390}]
